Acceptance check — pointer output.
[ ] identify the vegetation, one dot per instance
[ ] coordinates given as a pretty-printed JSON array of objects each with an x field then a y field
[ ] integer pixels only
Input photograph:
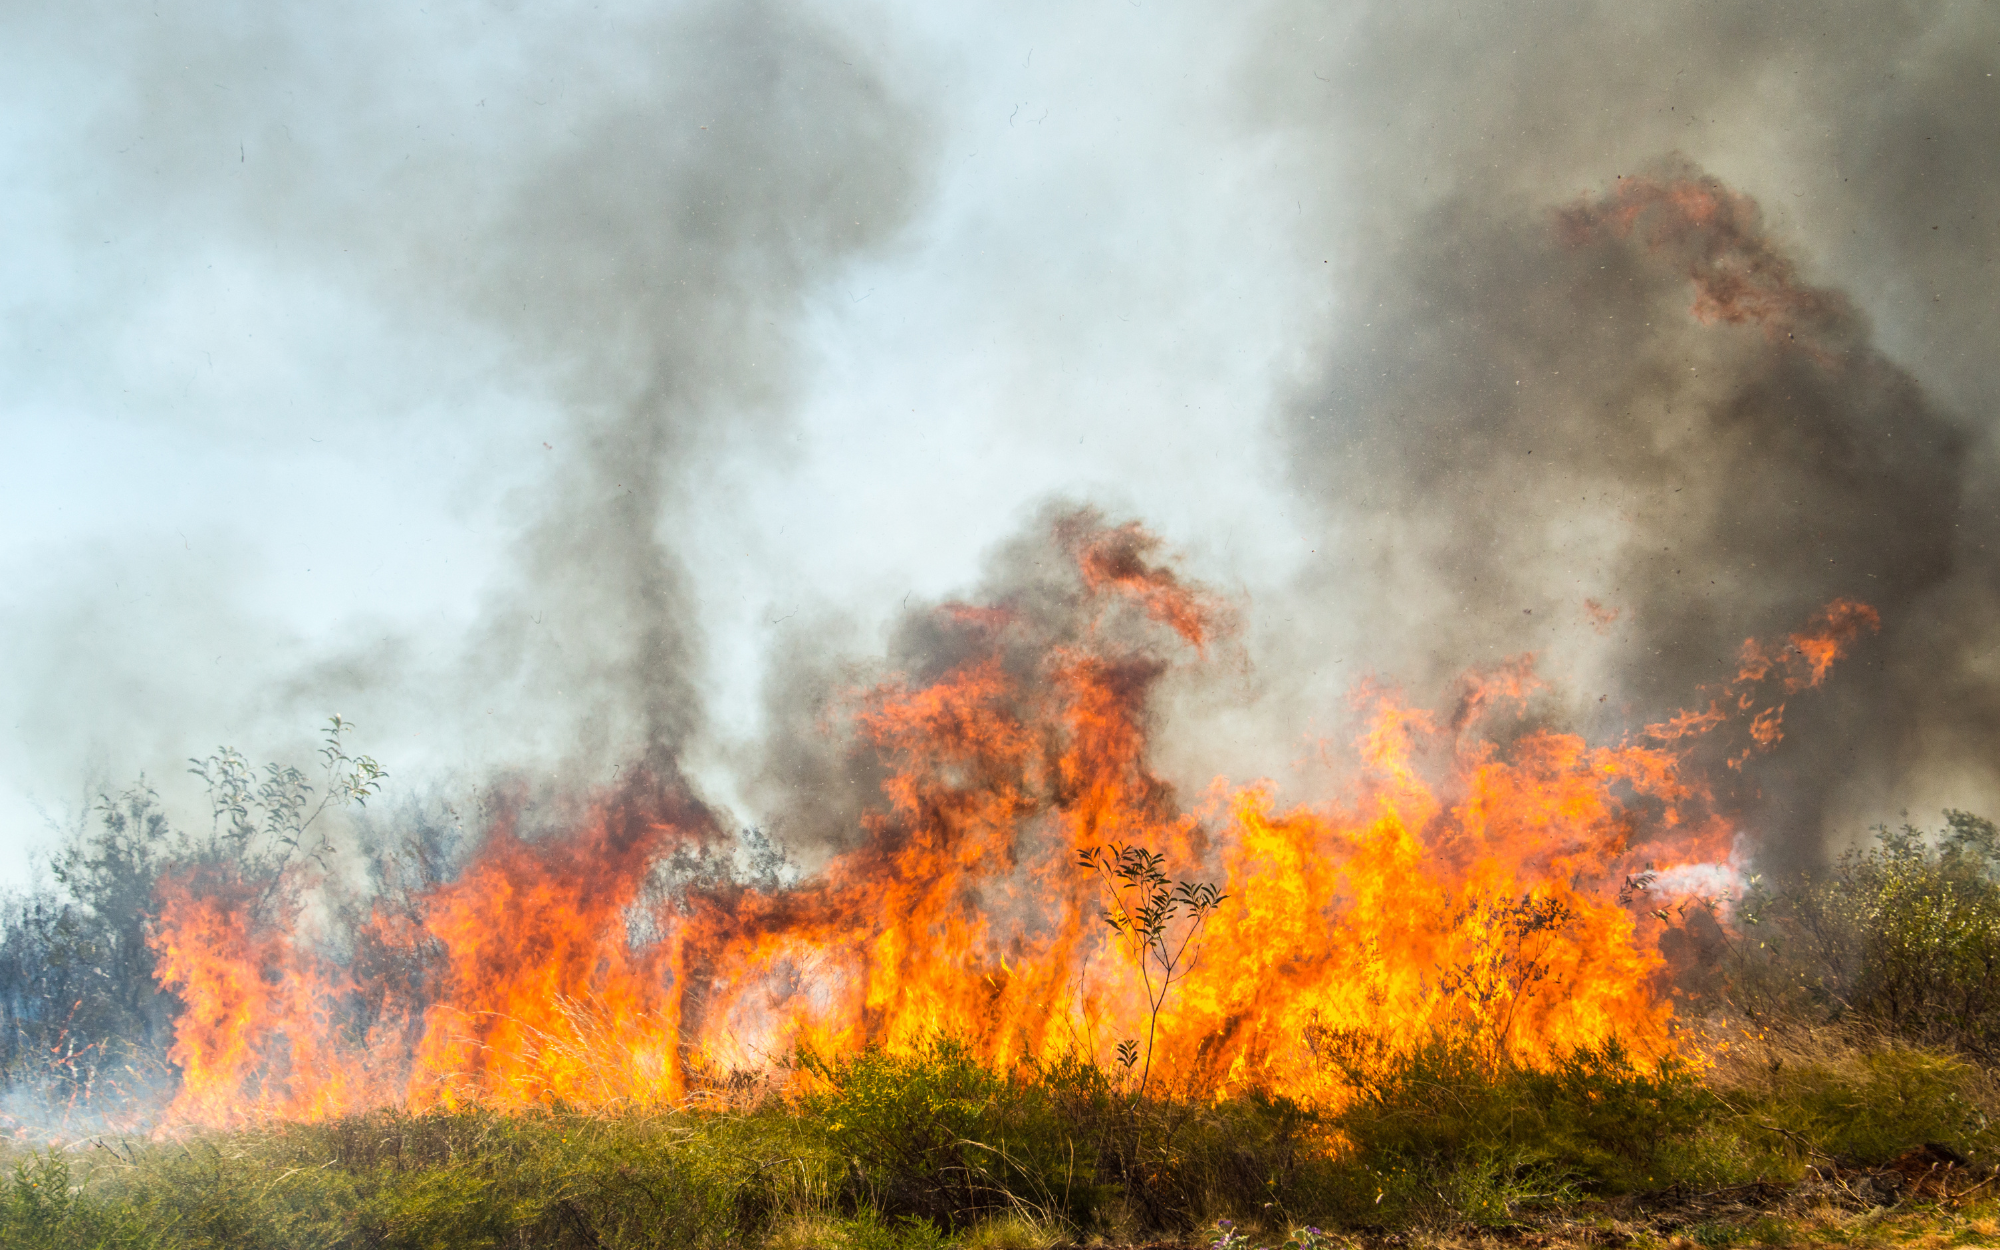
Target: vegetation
[
  {"x": 1842, "y": 1089},
  {"x": 930, "y": 1149},
  {"x": 1158, "y": 922},
  {"x": 85, "y": 1023},
  {"x": 1904, "y": 935},
  {"x": 84, "y": 1020}
]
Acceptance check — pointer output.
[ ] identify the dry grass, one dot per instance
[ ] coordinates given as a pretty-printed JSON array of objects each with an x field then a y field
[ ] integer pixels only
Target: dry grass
[{"x": 1743, "y": 1054}]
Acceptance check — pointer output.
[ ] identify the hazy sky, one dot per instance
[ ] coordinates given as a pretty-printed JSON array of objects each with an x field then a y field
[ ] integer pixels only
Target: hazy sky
[{"x": 417, "y": 363}]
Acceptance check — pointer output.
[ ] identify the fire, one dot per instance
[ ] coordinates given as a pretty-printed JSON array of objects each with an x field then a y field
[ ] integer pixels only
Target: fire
[
  {"x": 1467, "y": 877},
  {"x": 1717, "y": 235},
  {"x": 1763, "y": 675}
]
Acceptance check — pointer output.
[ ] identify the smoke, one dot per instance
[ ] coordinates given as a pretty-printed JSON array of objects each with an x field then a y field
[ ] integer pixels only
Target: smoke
[
  {"x": 555, "y": 271},
  {"x": 658, "y": 264},
  {"x": 1041, "y": 594},
  {"x": 572, "y": 250},
  {"x": 1595, "y": 390},
  {"x": 1607, "y": 334}
]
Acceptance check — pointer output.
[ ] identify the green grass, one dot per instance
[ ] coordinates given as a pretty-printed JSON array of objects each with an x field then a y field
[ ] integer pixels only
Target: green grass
[{"x": 923, "y": 1150}]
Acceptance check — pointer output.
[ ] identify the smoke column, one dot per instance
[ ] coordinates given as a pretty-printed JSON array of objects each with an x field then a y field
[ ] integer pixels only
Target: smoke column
[
  {"x": 1597, "y": 387},
  {"x": 1498, "y": 390},
  {"x": 594, "y": 240}
]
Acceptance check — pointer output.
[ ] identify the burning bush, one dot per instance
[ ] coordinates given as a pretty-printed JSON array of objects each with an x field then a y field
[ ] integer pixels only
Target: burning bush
[{"x": 92, "y": 970}]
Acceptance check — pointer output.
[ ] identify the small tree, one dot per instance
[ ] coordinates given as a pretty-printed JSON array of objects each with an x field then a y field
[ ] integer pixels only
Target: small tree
[
  {"x": 1157, "y": 920},
  {"x": 84, "y": 1020},
  {"x": 278, "y": 805},
  {"x": 1511, "y": 957}
]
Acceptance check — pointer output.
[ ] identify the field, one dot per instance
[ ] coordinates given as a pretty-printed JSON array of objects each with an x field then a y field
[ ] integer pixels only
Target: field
[
  {"x": 1814, "y": 1136},
  {"x": 1829, "y": 1081},
  {"x": 1498, "y": 1006}
]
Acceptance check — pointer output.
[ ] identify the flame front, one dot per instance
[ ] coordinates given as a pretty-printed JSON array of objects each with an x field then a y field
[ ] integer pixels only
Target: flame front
[{"x": 1462, "y": 879}]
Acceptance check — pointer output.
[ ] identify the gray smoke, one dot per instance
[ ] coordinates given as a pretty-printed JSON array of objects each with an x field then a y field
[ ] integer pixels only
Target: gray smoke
[
  {"x": 665, "y": 266},
  {"x": 564, "y": 261},
  {"x": 594, "y": 231},
  {"x": 815, "y": 777},
  {"x": 1520, "y": 426}
]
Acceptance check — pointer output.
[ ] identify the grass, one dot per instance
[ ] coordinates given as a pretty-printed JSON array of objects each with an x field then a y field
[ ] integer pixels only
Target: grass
[{"x": 909, "y": 1152}]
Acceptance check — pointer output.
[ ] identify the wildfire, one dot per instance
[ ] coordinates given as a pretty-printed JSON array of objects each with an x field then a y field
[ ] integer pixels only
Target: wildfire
[
  {"x": 1469, "y": 878},
  {"x": 1717, "y": 235}
]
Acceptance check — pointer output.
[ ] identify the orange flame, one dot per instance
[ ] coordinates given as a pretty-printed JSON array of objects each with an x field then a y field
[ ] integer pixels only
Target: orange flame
[
  {"x": 1738, "y": 277},
  {"x": 1762, "y": 673},
  {"x": 1455, "y": 883}
]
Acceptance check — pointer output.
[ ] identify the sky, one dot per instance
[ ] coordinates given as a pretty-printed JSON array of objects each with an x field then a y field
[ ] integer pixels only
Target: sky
[{"x": 536, "y": 386}]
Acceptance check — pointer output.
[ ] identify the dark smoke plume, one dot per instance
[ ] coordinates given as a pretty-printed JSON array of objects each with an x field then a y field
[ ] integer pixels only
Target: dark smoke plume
[
  {"x": 663, "y": 269},
  {"x": 1591, "y": 400}
]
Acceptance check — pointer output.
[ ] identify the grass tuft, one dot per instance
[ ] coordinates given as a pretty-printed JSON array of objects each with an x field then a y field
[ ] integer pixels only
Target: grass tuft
[{"x": 929, "y": 1149}]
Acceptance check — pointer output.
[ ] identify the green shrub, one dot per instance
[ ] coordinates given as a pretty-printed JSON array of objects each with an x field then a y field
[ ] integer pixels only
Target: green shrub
[
  {"x": 41, "y": 1206},
  {"x": 1904, "y": 935},
  {"x": 936, "y": 1135},
  {"x": 1446, "y": 1131},
  {"x": 1864, "y": 1106}
]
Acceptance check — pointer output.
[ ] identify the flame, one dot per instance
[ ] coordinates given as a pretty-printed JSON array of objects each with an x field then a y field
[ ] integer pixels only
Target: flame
[
  {"x": 1763, "y": 674},
  {"x": 1465, "y": 877},
  {"x": 1739, "y": 278}
]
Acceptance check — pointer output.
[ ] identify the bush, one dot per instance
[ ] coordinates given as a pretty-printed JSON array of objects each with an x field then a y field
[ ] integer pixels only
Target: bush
[
  {"x": 41, "y": 1207},
  {"x": 1904, "y": 935},
  {"x": 1061, "y": 1143},
  {"x": 84, "y": 1024},
  {"x": 1896, "y": 1099},
  {"x": 1851, "y": 1095},
  {"x": 1445, "y": 1131},
  {"x": 936, "y": 1135},
  {"x": 85, "y": 1017}
]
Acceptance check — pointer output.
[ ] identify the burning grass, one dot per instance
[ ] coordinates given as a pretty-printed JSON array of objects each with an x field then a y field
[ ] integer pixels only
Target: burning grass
[{"x": 1038, "y": 999}]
